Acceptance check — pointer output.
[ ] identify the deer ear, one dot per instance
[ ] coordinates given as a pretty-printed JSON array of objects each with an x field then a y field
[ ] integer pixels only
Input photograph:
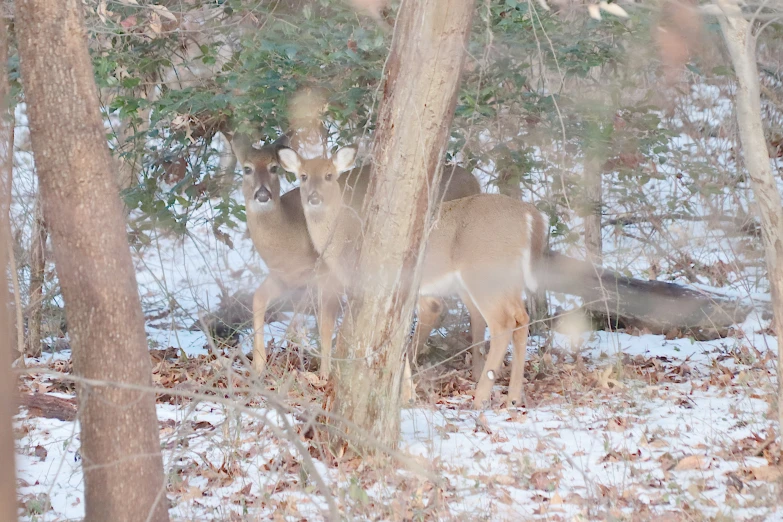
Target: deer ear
[
  {"x": 344, "y": 159},
  {"x": 283, "y": 141},
  {"x": 241, "y": 144},
  {"x": 289, "y": 160}
]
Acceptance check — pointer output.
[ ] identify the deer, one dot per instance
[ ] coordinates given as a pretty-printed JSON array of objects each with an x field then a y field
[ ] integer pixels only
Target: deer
[
  {"x": 278, "y": 229},
  {"x": 483, "y": 247}
]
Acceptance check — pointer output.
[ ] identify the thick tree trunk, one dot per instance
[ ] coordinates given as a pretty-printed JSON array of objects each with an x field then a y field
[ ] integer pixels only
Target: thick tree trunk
[
  {"x": 419, "y": 96},
  {"x": 122, "y": 463},
  {"x": 7, "y": 382},
  {"x": 37, "y": 266},
  {"x": 742, "y": 47}
]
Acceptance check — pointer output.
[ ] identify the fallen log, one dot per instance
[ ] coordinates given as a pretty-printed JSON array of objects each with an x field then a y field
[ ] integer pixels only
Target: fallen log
[
  {"x": 622, "y": 302},
  {"x": 49, "y": 406}
]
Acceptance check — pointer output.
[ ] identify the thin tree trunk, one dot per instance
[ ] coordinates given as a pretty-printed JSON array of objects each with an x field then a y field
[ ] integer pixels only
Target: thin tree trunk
[
  {"x": 7, "y": 124},
  {"x": 7, "y": 382},
  {"x": 419, "y": 96},
  {"x": 742, "y": 48},
  {"x": 37, "y": 266},
  {"x": 7, "y": 395},
  {"x": 593, "y": 202},
  {"x": 122, "y": 463}
]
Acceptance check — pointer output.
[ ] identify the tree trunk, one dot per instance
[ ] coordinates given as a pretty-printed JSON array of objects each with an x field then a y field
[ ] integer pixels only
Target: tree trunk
[
  {"x": 122, "y": 464},
  {"x": 7, "y": 389},
  {"x": 419, "y": 96},
  {"x": 37, "y": 266},
  {"x": 742, "y": 48},
  {"x": 7, "y": 381},
  {"x": 593, "y": 195},
  {"x": 7, "y": 124}
]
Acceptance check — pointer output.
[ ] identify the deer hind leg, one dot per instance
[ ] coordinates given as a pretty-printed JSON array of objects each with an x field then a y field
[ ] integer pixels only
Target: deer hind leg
[
  {"x": 268, "y": 291},
  {"x": 501, "y": 326},
  {"x": 429, "y": 311},
  {"x": 478, "y": 327},
  {"x": 516, "y": 393}
]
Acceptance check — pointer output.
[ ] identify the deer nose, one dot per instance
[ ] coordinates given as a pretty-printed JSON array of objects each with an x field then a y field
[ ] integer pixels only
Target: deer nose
[
  {"x": 314, "y": 199},
  {"x": 263, "y": 195}
]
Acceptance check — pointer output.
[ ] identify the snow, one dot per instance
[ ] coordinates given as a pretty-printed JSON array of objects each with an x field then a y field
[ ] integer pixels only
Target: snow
[{"x": 617, "y": 426}]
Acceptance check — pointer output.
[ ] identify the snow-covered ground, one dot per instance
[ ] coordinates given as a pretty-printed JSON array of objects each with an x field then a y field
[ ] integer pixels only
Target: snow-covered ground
[{"x": 616, "y": 426}]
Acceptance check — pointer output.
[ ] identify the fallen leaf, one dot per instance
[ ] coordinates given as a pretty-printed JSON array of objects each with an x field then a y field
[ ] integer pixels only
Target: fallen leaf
[
  {"x": 767, "y": 473},
  {"x": 690, "y": 462},
  {"x": 41, "y": 452},
  {"x": 505, "y": 480}
]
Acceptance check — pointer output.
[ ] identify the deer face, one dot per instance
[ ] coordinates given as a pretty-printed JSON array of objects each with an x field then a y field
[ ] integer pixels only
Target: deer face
[
  {"x": 260, "y": 178},
  {"x": 318, "y": 178}
]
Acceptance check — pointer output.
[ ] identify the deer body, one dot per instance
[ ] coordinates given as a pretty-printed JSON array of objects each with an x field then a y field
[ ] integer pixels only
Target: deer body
[
  {"x": 333, "y": 210},
  {"x": 482, "y": 247},
  {"x": 486, "y": 248}
]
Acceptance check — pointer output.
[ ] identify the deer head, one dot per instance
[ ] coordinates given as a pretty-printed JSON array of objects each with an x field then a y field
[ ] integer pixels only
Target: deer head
[
  {"x": 318, "y": 177},
  {"x": 260, "y": 178}
]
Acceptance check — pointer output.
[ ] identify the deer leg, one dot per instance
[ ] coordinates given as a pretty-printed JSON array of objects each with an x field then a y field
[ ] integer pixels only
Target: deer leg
[
  {"x": 269, "y": 290},
  {"x": 429, "y": 311},
  {"x": 501, "y": 326},
  {"x": 516, "y": 391},
  {"x": 478, "y": 327},
  {"x": 328, "y": 306}
]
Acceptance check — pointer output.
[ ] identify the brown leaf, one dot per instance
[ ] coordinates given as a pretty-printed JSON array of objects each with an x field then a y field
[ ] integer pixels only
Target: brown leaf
[
  {"x": 767, "y": 473},
  {"x": 41, "y": 452},
  {"x": 691, "y": 462}
]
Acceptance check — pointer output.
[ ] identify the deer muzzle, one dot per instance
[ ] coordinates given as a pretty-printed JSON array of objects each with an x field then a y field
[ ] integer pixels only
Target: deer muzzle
[{"x": 263, "y": 195}]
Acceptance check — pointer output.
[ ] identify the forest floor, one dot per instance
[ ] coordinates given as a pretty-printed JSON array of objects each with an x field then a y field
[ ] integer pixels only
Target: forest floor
[{"x": 617, "y": 426}]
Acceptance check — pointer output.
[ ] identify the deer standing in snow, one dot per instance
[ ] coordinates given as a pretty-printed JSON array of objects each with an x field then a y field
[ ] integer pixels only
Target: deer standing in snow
[{"x": 482, "y": 247}]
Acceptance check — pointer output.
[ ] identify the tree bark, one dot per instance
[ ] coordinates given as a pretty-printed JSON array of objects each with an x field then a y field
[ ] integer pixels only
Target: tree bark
[
  {"x": 593, "y": 195},
  {"x": 122, "y": 463},
  {"x": 7, "y": 392},
  {"x": 7, "y": 381},
  {"x": 742, "y": 48},
  {"x": 419, "y": 96},
  {"x": 37, "y": 267}
]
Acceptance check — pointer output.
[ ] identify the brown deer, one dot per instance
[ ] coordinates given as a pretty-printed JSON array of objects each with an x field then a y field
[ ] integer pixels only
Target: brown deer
[
  {"x": 277, "y": 226},
  {"x": 483, "y": 248}
]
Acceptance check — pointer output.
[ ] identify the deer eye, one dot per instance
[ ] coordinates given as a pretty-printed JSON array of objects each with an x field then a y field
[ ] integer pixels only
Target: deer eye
[
  {"x": 328, "y": 177},
  {"x": 273, "y": 169},
  {"x": 248, "y": 170},
  {"x": 303, "y": 178}
]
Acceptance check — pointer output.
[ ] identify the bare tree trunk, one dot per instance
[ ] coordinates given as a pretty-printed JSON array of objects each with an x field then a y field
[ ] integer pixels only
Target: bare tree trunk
[
  {"x": 742, "y": 47},
  {"x": 593, "y": 201},
  {"x": 7, "y": 382},
  {"x": 7, "y": 396},
  {"x": 122, "y": 464},
  {"x": 7, "y": 123},
  {"x": 419, "y": 96},
  {"x": 37, "y": 266}
]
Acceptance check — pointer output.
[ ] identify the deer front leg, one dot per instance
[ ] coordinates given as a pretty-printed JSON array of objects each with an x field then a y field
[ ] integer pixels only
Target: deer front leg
[
  {"x": 328, "y": 307},
  {"x": 269, "y": 290},
  {"x": 429, "y": 311}
]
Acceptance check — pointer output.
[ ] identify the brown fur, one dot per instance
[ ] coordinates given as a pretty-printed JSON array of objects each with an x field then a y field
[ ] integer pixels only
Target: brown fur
[
  {"x": 483, "y": 247},
  {"x": 279, "y": 233},
  {"x": 335, "y": 228}
]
